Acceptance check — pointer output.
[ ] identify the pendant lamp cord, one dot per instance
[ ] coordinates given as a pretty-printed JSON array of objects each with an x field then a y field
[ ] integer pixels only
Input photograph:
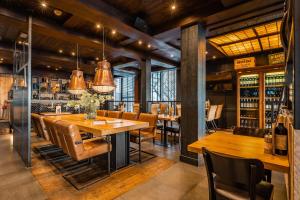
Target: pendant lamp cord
[
  {"x": 77, "y": 55},
  {"x": 103, "y": 41}
]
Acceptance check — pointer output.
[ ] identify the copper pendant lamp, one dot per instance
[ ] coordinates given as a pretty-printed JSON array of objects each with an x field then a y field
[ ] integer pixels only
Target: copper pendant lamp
[
  {"x": 103, "y": 81},
  {"x": 77, "y": 84}
]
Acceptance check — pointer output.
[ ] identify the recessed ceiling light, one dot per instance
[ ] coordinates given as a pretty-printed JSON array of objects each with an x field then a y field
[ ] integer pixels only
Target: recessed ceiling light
[
  {"x": 173, "y": 7},
  {"x": 214, "y": 57},
  {"x": 60, "y": 67},
  {"x": 43, "y": 4},
  {"x": 113, "y": 32},
  {"x": 73, "y": 53},
  {"x": 149, "y": 46},
  {"x": 97, "y": 58},
  {"x": 19, "y": 42},
  {"x": 98, "y": 26},
  {"x": 206, "y": 52},
  {"x": 56, "y": 69},
  {"x": 57, "y": 12},
  {"x": 60, "y": 51},
  {"x": 1, "y": 59},
  {"x": 140, "y": 42},
  {"x": 171, "y": 55},
  {"x": 48, "y": 66}
]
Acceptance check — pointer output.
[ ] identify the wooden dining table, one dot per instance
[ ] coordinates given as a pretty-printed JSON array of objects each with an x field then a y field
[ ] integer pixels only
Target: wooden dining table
[
  {"x": 104, "y": 126},
  {"x": 166, "y": 119},
  {"x": 240, "y": 146}
]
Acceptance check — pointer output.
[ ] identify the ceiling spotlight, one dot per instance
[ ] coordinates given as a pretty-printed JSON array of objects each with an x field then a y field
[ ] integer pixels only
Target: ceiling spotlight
[
  {"x": 149, "y": 46},
  {"x": 97, "y": 58},
  {"x": 60, "y": 67},
  {"x": 113, "y": 32},
  {"x": 57, "y": 12},
  {"x": 171, "y": 55},
  {"x": 173, "y": 7},
  {"x": 56, "y": 69},
  {"x": 19, "y": 42},
  {"x": 214, "y": 57},
  {"x": 60, "y": 51},
  {"x": 98, "y": 26},
  {"x": 43, "y": 4},
  {"x": 73, "y": 53},
  {"x": 48, "y": 66},
  {"x": 1, "y": 59},
  {"x": 140, "y": 42},
  {"x": 206, "y": 52}
]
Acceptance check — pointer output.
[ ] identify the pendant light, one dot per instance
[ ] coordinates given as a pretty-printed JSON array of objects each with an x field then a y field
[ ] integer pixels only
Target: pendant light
[
  {"x": 77, "y": 84},
  {"x": 103, "y": 81}
]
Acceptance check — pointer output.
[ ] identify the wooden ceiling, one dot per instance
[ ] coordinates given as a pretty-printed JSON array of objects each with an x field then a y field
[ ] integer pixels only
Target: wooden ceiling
[{"x": 59, "y": 25}]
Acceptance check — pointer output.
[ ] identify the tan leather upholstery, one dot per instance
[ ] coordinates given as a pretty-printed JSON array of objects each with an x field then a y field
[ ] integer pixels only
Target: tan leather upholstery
[
  {"x": 147, "y": 133},
  {"x": 102, "y": 113},
  {"x": 154, "y": 108},
  {"x": 136, "y": 108},
  {"x": 51, "y": 129},
  {"x": 130, "y": 116},
  {"x": 178, "y": 109},
  {"x": 163, "y": 108},
  {"x": 74, "y": 146},
  {"x": 39, "y": 125},
  {"x": 114, "y": 114}
]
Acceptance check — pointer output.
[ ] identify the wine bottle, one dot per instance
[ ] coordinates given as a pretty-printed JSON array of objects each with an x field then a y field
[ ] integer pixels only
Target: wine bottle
[{"x": 281, "y": 137}]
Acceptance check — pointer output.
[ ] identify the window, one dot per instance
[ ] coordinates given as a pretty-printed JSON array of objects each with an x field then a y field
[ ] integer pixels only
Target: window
[
  {"x": 163, "y": 85},
  {"x": 124, "y": 92}
]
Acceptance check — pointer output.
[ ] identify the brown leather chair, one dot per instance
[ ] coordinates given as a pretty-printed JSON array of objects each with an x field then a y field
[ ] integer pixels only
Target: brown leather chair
[
  {"x": 39, "y": 126},
  {"x": 130, "y": 116},
  {"x": 139, "y": 136},
  {"x": 114, "y": 114},
  {"x": 235, "y": 178},
  {"x": 102, "y": 113},
  {"x": 136, "y": 108}
]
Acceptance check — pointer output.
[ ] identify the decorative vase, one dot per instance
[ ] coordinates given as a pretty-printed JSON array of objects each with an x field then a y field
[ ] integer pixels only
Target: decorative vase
[{"x": 90, "y": 111}]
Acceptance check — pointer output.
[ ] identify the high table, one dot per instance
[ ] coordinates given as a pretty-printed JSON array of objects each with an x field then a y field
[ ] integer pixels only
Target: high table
[
  {"x": 166, "y": 119},
  {"x": 240, "y": 146},
  {"x": 103, "y": 126}
]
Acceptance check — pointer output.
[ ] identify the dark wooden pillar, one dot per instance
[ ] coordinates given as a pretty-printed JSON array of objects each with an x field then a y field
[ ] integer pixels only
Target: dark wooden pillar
[
  {"x": 193, "y": 75},
  {"x": 296, "y": 59},
  {"x": 178, "y": 85},
  {"x": 137, "y": 83},
  {"x": 145, "y": 87}
]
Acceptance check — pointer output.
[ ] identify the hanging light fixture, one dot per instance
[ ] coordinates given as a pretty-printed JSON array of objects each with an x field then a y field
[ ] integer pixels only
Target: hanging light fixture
[
  {"x": 77, "y": 84},
  {"x": 103, "y": 81}
]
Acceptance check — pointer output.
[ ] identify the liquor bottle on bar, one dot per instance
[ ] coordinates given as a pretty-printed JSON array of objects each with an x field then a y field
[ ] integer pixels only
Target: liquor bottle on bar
[{"x": 281, "y": 137}]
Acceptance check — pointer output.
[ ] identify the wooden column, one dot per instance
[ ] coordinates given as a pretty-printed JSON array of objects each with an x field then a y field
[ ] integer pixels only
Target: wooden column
[
  {"x": 145, "y": 86},
  {"x": 193, "y": 89},
  {"x": 178, "y": 84},
  {"x": 137, "y": 83}
]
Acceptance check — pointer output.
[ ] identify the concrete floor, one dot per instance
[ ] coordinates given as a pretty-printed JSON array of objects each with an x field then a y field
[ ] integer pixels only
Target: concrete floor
[
  {"x": 180, "y": 181},
  {"x": 16, "y": 182}
]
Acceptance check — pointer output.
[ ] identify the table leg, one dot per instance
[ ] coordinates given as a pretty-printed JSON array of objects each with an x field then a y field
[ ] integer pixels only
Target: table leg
[{"x": 165, "y": 134}]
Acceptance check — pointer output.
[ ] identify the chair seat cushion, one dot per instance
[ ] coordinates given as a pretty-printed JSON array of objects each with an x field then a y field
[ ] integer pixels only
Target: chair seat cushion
[
  {"x": 144, "y": 135},
  {"x": 172, "y": 129},
  {"x": 93, "y": 148},
  {"x": 264, "y": 191}
]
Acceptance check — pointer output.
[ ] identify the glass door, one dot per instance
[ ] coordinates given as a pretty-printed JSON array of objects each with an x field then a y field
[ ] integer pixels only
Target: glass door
[{"x": 249, "y": 101}]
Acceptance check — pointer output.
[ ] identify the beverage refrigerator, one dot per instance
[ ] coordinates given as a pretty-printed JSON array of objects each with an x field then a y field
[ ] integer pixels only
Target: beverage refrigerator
[{"x": 259, "y": 96}]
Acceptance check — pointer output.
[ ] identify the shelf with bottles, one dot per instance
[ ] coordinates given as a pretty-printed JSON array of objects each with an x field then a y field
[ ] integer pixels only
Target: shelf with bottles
[
  {"x": 249, "y": 81},
  {"x": 275, "y": 79},
  {"x": 249, "y": 103},
  {"x": 249, "y": 123}
]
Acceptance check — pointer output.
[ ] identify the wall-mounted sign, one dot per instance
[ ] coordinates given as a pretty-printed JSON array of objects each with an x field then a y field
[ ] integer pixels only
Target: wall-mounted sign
[
  {"x": 276, "y": 58},
  {"x": 244, "y": 63}
]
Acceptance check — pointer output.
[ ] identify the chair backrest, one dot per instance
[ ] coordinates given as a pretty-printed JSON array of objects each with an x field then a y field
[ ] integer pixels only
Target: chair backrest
[
  {"x": 102, "y": 113},
  {"x": 130, "y": 116},
  {"x": 154, "y": 108},
  {"x": 70, "y": 135},
  {"x": 163, "y": 107},
  {"x": 219, "y": 111},
  {"x": 178, "y": 109},
  {"x": 151, "y": 119},
  {"x": 211, "y": 112},
  {"x": 51, "y": 129},
  {"x": 232, "y": 171},
  {"x": 136, "y": 108},
  {"x": 114, "y": 114},
  {"x": 254, "y": 132},
  {"x": 39, "y": 126}
]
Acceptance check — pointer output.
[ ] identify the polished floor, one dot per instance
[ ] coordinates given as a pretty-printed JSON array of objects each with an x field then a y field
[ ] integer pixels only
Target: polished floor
[{"x": 172, "y": 179}]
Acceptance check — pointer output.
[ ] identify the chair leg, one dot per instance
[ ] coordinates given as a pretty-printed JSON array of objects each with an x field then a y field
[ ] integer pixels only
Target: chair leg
[
  {"x": 140, "y": 146},
  {"x": 214, "y": 123},
  {"x": 108, "y": 154}
]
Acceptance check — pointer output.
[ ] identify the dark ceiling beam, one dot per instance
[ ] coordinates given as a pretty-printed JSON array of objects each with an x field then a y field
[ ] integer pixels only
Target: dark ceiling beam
[
  {"x": 94, "y": 11},
  {"x": 243, "y": 11},
  {"x": 161, "y": 64},
  {"x": 134, "y": 64}
]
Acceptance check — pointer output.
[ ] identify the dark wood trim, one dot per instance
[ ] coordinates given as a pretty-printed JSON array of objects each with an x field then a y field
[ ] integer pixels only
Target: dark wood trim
[{"x": 296, "y": 64}]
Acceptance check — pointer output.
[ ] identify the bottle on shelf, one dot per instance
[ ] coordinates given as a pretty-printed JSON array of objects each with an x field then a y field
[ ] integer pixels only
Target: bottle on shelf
[{"x": 281, "y": 137}]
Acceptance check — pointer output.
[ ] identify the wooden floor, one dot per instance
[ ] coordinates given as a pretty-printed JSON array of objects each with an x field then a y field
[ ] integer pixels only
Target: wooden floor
[{"x": 56, "y": 187}]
